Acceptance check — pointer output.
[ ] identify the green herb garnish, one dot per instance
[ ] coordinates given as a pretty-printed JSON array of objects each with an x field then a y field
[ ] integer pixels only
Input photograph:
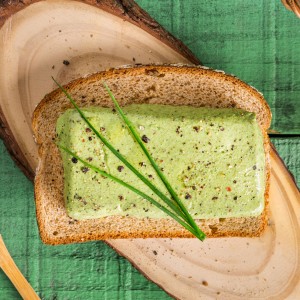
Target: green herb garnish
[
  {"x": 153, "y": 163},
  {"x": 178, "y": 211}
]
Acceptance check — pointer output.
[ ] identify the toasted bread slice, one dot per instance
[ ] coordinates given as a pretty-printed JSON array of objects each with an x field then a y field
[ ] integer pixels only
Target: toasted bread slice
[{"x": 173, "y": 85}]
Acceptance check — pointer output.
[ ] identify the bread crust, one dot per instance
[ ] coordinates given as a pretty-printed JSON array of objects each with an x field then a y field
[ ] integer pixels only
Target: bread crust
[{"x": 176, "y": 85}]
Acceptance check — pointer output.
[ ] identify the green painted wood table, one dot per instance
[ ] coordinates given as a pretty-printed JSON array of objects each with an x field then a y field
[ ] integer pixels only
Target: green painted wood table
[{"x": 259, "y": 41}]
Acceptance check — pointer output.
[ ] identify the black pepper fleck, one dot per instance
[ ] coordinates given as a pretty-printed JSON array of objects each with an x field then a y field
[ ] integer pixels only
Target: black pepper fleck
[
  {"x": 205, "y": 283},
  {"x": 85, "y": 169},
  {"x": 254, "y": 167},
  {"x": 187, "y": 196},
  {"x": 77, "y": 197},
  {"x": 145, "y": 139},
  {"x": 88, "y": 129},
  {"x": 90, "y": 138},
  {"x": 214, "y": 198},
  {"x": 235, "y": 198},
  {"x": 196, "y": 128},
  {"x": 74, "y": 160},
  {"x": 120, "y": 168},
  {"x": 120, "y": 197},
  {"x": 66, "y": 62},
  {"x": 154, "y": 252},
  {"x": 142, "y": 164}
]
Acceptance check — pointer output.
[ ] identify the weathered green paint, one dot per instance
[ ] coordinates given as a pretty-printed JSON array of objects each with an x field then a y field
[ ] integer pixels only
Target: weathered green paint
[
  {"x": 257, "y": 41},
  {"x": 83, "y": 271},
  {"x": 288, "y": 149}
]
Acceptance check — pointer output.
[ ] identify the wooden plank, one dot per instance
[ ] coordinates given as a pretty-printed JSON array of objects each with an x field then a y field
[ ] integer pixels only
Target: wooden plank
[
  {"x": 81, "y": 271},
  {"x": 288, "y": 149},
  {"x": 23, "y": 82},
  {"x": 256, "y": 41},
  {"x": 88, "y": 271}
]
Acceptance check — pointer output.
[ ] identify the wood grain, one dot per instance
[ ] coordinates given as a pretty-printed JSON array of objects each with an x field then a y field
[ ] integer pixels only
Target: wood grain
[
  {"x": 236, "y": 268},
  {"x": 263, "y": 49},
  {"x": 13, "y": 273},
  {"x": 289, "y": 152},
  {"x": 293, "y": 5},
  {"x": 78, "y": 271},
  {"x": 125, "y": 9},
  {"x": 132, "y": 37}
]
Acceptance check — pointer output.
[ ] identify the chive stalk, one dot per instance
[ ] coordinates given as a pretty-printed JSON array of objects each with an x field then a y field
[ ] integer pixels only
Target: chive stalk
[{"x": 136, "y": 136}]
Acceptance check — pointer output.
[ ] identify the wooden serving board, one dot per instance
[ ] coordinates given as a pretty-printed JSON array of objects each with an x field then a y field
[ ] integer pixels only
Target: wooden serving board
[
  {"x": 38, "y": 41},
  {"x": 67, "y": 40},
  {"x": 230, "y": 268}
]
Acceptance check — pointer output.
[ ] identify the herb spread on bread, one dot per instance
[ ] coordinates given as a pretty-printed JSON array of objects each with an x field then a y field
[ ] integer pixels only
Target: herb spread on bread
[{"x": 214, "y": 159}]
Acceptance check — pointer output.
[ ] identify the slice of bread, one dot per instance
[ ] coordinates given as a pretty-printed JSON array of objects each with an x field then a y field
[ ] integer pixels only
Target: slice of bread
[{"x": 173, "y": 85}]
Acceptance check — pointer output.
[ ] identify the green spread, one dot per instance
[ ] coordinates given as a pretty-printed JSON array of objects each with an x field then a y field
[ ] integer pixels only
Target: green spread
[{"x": 213, "y": 158}]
